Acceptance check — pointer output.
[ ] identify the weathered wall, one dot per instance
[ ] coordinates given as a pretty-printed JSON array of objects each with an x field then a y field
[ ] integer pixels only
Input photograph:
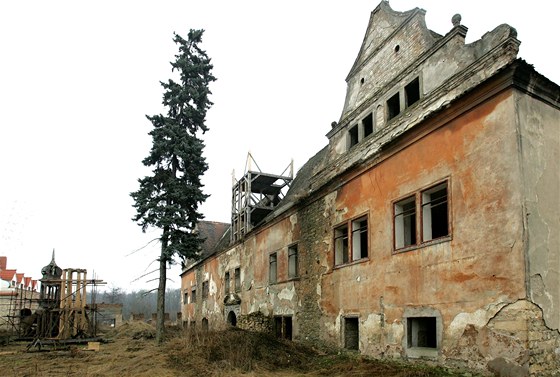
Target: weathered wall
[{"x": 539, "y": 154}]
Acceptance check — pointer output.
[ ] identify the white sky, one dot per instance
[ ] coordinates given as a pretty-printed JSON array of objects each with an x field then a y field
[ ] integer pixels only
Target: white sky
[{"x": 78, "y": 77}]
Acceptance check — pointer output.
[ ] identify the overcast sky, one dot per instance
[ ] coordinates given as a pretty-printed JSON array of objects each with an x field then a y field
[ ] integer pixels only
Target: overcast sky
[{"x": 78, "y": 77}]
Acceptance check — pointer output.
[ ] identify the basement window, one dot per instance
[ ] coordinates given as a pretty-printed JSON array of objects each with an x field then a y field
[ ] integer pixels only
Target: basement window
[
  {"x": 353, "y": 136},
  {"x": 226, "y": 283},
  {"x": 205, "y": 289},
  {"x": 421, "y": 332},
  {"x": 351, "y": 241},
  {"x": 393, "y": 106},
  {"x": 412, "y": 92},
  {"x": 435, "y": 218},
  {"x": 272, "y": 268},
  {"x": 292, "y": 261},
  {"x": 351, "y": 333},
  {"x": 405, "y": 223},
  {"x": 237, "y": 280},
  {"x": 283, "y": 327}
]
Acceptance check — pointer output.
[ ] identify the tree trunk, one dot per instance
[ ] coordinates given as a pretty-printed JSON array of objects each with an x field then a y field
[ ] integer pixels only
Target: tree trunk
[{"x": 160, "y": 320}]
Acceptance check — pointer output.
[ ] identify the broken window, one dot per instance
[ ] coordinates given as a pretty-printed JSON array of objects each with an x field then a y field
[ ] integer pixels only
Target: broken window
[
  {"x": 421, "y": 332},
  {"x": 193, "y": 294},
  {"x": 359, "y": 239},
  {"x": 226, "y": 283},
  {"x": 283, "y": 327},
  {"x": 353, "y": 135},
  {"x": 341, "y": 245},
  {"x": 405, "y": 223},
  {"x": 393, "y": 106},
  {"x": 204, "y": 289},
  {"x": 435, "y": 222},
  {"x": 367, "y": 123},
  {"x": 272, "y": 268},
  {"x": 292, "y": 261},
  {"x": 237, "y": 280},
  {"x": 351, "y": 333},
  {"x": 412, "y": 92},
  {"x": 434, "y": 219}
]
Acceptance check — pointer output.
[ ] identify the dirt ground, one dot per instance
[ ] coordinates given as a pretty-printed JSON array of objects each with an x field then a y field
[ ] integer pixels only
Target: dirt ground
[{"x": 131, "y": 350}]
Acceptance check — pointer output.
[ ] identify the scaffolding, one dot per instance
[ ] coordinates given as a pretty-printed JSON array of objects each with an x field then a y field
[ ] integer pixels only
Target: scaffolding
[{"x": 256, "y": 195}]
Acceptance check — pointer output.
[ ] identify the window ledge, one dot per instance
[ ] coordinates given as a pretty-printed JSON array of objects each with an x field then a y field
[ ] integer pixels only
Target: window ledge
[
  {"x": 423, "y": 245},
  {"x": 357, "y": 261},
  {"x": 298, "y": 278}
]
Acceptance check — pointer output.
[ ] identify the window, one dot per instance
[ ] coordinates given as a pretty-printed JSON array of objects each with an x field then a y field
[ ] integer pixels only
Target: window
[
  {"x": 393, "y": 106},
  {"x": 185, "y": 297},
  {"x": 292, "y": 261},
  {"x": 193, "y": 294},
  {"x": 237, "y": 280},
  {"x": 434, "y": 217},
  {"x": 405, "y": 223},
  {"x": 435, "y": 222},
  {"x": 341, "y": 245},
  {"x": 283, "y": 327},
  {"x": 367, "y": 123},
  {"x": 226, "y": 283},
  {"x": 272, "y": 268},
  {"x": 412, "y": 92},
  {"x": 351, "y": 333},
  {"x": 204, "y": 289},
  {"x": 353, "y": 133},
  {"x": 421, "y": 332},
  {"x": 356, "y": 248}
]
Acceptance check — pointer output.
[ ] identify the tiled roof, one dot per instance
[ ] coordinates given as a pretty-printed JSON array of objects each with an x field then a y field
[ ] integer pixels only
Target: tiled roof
[{"x": 7, "y": 275}]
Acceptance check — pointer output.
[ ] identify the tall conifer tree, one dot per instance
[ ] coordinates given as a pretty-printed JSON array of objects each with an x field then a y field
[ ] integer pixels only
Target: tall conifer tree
[{"x": 168, "y": 199}]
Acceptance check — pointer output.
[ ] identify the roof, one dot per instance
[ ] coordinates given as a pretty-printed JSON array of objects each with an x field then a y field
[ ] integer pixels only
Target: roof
[{"x": 7, "y": 275}]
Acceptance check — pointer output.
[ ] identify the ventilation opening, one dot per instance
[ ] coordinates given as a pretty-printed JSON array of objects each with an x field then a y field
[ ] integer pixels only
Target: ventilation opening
[
  {"x": 353, "y": 134},
  {"x": 232, "y": 319},
  {"x": 421, "y": 332},
  {"x": 368, "y": 125},
  {"x": 351, "y": 334},
  {"x": 393, "y": 106},
  {"x": 412, "y": 92}
]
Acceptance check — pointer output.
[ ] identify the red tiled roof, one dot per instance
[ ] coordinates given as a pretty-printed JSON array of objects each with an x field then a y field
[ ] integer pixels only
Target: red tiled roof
[
  {"x": 19, "y": 277},
  {"x": 7, "y": 275}
]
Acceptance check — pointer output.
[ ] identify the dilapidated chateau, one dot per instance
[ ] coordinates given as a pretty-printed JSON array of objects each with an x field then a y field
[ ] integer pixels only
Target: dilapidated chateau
[{"x": 429, "y": 225}]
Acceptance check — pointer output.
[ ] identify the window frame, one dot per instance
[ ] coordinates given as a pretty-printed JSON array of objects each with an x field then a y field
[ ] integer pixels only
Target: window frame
[
  {"x": 273, "y": 260},
  {"x": 420, "y": 222},
  {"x": 227, "y": 283},
  {"x": 237, "y": 281},
  {"x": 193, "y": 294},
  {"x": 205, "y": 289},
  {"x": 293, "y": 253},
  {"x": 347, "y": 235}
]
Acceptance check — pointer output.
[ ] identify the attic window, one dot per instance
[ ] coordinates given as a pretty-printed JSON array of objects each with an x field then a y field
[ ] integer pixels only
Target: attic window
[
  {"x": 353, "y": 134},
  {"x": 393, "y": 106},
  {"x": 367, "y": 122},
  {"x": 412, "y": 92},
  {"x": 397, "y": 48},
  {"x": 362, "y": 81}
]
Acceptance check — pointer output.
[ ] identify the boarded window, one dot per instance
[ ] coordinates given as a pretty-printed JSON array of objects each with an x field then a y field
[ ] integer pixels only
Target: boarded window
[
  {"x": 272, "y": 268},
  {"x": 237, "y": 280},
  {"x": 292, "y": 261},
  {"x": 226, "y": 283}
]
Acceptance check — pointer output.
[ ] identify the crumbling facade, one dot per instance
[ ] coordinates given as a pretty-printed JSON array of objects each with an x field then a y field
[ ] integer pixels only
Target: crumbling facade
[{"x": 429, "y": 225}]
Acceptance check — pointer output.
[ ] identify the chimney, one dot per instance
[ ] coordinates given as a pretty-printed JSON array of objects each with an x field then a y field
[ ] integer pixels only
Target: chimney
[{"x": 3, "y": 263}]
